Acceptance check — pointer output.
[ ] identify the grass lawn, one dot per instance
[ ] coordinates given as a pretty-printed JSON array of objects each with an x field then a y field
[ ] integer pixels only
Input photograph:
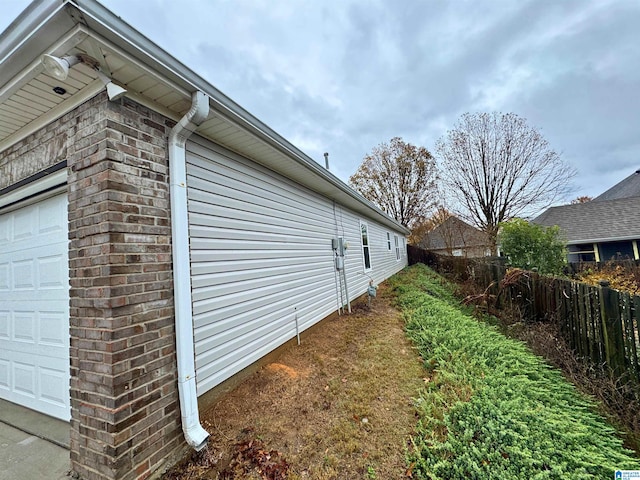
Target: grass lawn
[
  {"x": 489, "y": 408},
  {"x": 412, "y": 387}
]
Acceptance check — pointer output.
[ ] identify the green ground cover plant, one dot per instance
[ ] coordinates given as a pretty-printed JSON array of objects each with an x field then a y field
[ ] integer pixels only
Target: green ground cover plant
[{"x": 491, "y": 409}]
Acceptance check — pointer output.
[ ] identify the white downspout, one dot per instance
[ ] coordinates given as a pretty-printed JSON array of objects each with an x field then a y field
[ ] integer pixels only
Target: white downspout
[{"x": 195, "y": 435}]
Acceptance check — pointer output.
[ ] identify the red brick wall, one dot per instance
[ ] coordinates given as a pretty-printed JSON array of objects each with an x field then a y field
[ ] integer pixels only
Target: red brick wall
[{"x": 124, "y": 401}]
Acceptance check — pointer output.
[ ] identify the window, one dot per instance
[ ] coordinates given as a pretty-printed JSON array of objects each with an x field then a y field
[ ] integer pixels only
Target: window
[
  {"x": 616, "y": 251},
  {"x": 366, "y": 254},
  {"x": 582, "y": 253},
  {"x": 388, "y": 241},
  {"x": 395, "y": 239}
]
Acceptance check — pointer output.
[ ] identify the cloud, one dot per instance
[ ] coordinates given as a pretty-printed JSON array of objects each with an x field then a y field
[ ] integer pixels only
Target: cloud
[{"x": 343, "y": 76}]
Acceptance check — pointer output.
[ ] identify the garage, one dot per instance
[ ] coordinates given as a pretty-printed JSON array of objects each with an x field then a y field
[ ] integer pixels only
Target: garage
[{"x": 34, "y": 306}]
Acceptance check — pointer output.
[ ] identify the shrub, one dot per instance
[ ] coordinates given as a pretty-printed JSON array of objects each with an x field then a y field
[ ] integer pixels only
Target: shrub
[{"x": 529, "y": 245}]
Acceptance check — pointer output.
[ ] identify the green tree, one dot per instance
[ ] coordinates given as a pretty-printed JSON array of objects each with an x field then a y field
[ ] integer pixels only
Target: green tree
[{"x": 529, "y": 245}]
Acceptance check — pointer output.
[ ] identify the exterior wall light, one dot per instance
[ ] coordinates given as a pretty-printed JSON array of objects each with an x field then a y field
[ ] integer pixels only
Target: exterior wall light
[
  {"x": 59, "y": 68},
  {"x": 113, "y": 91}
]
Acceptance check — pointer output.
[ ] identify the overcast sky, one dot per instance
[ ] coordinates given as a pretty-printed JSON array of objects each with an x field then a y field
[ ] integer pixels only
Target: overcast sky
[{"x": 343, "y": 76}]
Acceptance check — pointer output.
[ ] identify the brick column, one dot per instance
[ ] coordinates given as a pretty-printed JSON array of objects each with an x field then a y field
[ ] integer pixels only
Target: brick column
[{"x": 124, "y": 400}]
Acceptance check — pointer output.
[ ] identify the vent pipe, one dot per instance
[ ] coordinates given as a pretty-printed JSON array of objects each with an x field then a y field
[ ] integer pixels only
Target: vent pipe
[{"x": 326, "y": 160}]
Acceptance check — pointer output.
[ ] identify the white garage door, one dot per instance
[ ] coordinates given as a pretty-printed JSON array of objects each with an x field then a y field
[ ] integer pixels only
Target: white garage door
[{"x": 34, "y": 307}]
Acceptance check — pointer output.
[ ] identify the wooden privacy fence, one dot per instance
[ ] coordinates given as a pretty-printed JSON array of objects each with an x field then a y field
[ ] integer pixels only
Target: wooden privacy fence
[{"x": 599, "y": 323}]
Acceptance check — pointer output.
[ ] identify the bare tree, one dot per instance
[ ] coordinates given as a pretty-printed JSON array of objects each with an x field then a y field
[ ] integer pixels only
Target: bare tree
[
  {"x": 497, "y": 167},
  {"x": 400, "y": 178}
]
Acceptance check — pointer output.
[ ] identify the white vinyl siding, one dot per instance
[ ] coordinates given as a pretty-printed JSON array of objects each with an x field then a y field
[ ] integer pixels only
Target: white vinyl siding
[{"x": 261, "y": 254}]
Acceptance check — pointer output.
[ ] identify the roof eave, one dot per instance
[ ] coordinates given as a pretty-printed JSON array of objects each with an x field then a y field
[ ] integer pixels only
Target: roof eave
[
  {"x": 603, "y": 240},
  {"x": 33, "y": 30}
]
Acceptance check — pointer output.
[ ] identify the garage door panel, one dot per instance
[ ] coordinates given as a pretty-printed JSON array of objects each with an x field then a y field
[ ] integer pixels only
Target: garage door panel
[
  {"x": 44, "y": 297},
  {"x": 4, "y": 324},
  {"x": 29, "y": 272},
  {"x": 54, "y": 388},
  {"x": 43, "y": 327},
  {"x": 24, "y": 326},
  {"x": 34, "y": 307},
  {"x": 24, "y": 224},
  {"x": 53, "y": 329},
  {"x": 24, "y": 379},
  {"x": 52, "y": 218},
  {"x": 5, "y": 224},
  {"x": 23, "y": 275},
  {"x": 51, "y": 272},
  {"x": 4, "y": 276},
  {"x": 4, "y": 374}
]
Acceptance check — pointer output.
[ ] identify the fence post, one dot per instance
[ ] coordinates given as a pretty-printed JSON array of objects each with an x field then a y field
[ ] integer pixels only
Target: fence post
[
  {"x": 635, "y": 326},
  {"x": 631, "y": 356},
  {"x": 612, "y": 328},
  {"x": 583, "y": 302}
]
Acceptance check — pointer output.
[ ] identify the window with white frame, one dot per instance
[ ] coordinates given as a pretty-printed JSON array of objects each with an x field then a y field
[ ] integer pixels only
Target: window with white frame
[
  {"x": 395, "y": 238},
  {"x": 388, "y": 241},
  {"x": 366, "y": 253}
]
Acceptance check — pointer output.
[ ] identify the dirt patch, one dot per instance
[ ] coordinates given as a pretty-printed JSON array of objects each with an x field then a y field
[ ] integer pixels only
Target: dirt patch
[{"x": 339, "y": 406}]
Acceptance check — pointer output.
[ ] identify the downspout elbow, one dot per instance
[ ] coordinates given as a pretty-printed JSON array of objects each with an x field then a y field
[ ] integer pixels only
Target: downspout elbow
[{"x": 194, "y": 434}]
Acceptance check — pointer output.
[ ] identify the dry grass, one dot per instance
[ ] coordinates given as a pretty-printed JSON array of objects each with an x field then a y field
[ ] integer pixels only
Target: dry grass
[{"x": 339, "y": 406}]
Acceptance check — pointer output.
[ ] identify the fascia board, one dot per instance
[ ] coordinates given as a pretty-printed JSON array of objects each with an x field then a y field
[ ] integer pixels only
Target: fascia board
[
  {"x": 604, "y": 240},
  {"x": 34, "y": 30}
]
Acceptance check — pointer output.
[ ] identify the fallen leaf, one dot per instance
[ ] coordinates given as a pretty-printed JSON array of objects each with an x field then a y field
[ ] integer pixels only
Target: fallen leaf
[{"x": 409, "y": 472}]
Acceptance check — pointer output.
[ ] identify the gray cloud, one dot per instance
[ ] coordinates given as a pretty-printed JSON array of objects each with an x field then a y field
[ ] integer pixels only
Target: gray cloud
[{"x": 343, "y": 76}]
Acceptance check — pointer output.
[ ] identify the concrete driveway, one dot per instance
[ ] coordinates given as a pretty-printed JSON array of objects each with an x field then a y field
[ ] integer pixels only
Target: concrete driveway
[{"x": 32, "y": 446}]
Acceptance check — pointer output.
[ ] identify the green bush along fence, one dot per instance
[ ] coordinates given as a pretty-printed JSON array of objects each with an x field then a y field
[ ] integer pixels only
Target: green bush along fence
[{"x": 599, "y": 323}]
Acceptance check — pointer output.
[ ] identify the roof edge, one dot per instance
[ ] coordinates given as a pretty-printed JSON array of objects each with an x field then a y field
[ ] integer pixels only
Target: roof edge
[
  {"x": 29, "y": 20},
  {"x": 604, "y": 240}
]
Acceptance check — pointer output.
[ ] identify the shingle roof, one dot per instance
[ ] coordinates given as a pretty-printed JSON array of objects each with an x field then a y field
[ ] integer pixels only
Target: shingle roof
[
  {"x": 629, "y": 187},
  {"x": 596, "y": 221},
  {"x": 454, "y": 233}
]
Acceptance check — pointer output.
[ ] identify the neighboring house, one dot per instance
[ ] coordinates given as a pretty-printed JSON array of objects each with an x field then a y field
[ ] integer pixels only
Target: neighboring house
[
  {"x": 607, "y": 227},
  {"x": 195, "y": 239},
  {"x": 457, "y": 238}
]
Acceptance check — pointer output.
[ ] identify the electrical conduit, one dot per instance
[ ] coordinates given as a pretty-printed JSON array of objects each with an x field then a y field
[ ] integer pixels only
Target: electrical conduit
[{"x": 194, "y": 434}]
